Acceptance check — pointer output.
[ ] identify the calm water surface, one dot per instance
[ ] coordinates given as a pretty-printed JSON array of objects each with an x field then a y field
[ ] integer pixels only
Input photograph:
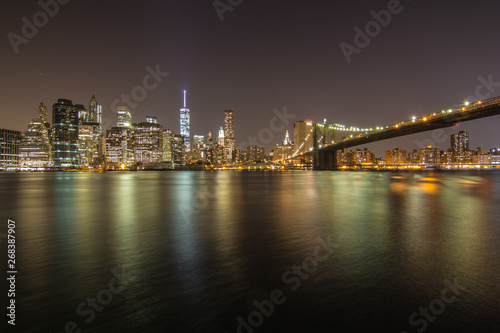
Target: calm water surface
[{"x": 197, "y": 249}]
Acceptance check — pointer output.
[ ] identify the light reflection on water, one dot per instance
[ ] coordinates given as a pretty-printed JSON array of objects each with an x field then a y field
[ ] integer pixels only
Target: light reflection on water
[{"x": 200, "y": 247}]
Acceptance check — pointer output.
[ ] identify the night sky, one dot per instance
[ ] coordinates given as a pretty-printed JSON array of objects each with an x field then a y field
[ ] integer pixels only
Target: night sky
[{"x": 263, "y": 55}]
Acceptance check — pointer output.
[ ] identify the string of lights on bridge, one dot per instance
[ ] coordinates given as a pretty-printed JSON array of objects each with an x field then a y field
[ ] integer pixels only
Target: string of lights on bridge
[{"x": 467, "y": 106}]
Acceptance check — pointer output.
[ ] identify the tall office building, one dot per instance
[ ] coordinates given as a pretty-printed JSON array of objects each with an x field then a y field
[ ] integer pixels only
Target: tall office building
[
  {"x": 210, "y": 140},
  {"x": 287, "y": 139},
  {"x": 198, "y": 148},
  {"x": 168, "y": 137},
  {"x": 186, "y": 125},
  {"x": 95, "y": 111},
  {"x": 229, "y": 142},
  {"x": 283, "y": 151},
  {"x": 95, "y": 119},
  {"x": 9, "y": 148},
  {"x": 34, "y": 149},
  {"x": 43, "y": 115},
  {"x": 64, "y": 134},
  {"x": 220, "y": 138},
  {"x": 460, "y": 147},
  {"x": 303, "y": 138},
  {"x": 460, "y": 142},
  {"x": 82, "y": 114},
  {"x": 119, "y": 145},
  {"x": 123, "y": 117},
  {"x": 178, "y": 149},
  {"x": 148, "y": 141},
  {"x": 88, "y": 144}
]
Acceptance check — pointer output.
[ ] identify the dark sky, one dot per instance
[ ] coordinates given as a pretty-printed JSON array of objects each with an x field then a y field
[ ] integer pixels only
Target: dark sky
[{"x": 264, "y": 55}]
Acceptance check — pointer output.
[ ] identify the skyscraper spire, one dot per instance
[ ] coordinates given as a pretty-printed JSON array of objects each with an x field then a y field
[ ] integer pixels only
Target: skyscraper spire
[
  {"x": 185, "y": 99},
  {"x": 287, "y": 139}
]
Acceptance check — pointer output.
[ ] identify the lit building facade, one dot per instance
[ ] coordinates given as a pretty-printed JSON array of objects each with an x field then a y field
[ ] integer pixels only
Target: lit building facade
[
  {"x": 229, "y": 142},
  {"x": 119, "y": 146},
  {"x": 303, "y": 137},
  {"x": 395, "y": 156},
  {"x": 256, "y": 154},
  {"x": 430, "y": 155},
  {"x": 88, "y": 144},
  {"x": 64, "y": 134},
  {"x": 198, "y": 151},
  {"x": 178, "y": 149},
  {"x": 9, "y": 148},
  {"x": 35, "y": 149},
  {"x": 168, "y": 137},
  {"x": 283, "y": 151},
  {"x": 185, "y": 124},
  {"x": 123, "y": 117},
  {"x": 148, "y": 142}
]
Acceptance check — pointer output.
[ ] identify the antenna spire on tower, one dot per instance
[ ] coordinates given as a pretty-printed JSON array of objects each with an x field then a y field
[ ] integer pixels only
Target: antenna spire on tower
[{"x": 184, "y": 98}]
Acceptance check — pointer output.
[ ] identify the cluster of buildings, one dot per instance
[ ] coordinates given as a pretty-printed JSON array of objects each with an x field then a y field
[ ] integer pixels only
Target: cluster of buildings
[
  {"x": 457, "y": 155},
  {"x": 76, "y": 140}
]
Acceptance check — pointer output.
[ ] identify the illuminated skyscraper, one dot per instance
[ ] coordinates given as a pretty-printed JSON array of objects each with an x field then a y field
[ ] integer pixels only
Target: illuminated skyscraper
[
  {"x": 287, "y": 139},
  {"x": 95, "y": 111},
  {"x": 42, "y": 115},
  {"x": 9, "y": 148},
  {"x": 34, "y": 150},
  {"x": 198, "y": 147},
  {"x": 460, "y": 142},
  {"x": 303, "y": 136},
  {"x": 123, "y": 117},
  {"x": 168, "y": 137},
  {"x": 64, "y": 133},
  {"x": 186, "y": 125},
  {"x": 148, "y": 141},
  {"x": 95, "y": 119},
  {"x": 229, "y": 142},
  {"x": 220, "y": 139}
]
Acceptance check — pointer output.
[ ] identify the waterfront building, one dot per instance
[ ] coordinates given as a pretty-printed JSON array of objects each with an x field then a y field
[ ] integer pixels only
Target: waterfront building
[
  {"x": 148, "y": 141},
  {"x": 430, "y": 155},
  {"x": 88, "y": 144},
  {"x": 395, "y": 156},
  {"x": 64, "y": 134},
  {"x": 35, "y": 149},
  {"x": 256, "y": 154},
  {"x": 119, "y": 146},
  {"x": 9, "y": 148},
  {"x": 355, "y": 157}
]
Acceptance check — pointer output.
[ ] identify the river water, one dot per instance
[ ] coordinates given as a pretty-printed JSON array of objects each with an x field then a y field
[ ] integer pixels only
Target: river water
[{"x": 254, "y": 251}]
